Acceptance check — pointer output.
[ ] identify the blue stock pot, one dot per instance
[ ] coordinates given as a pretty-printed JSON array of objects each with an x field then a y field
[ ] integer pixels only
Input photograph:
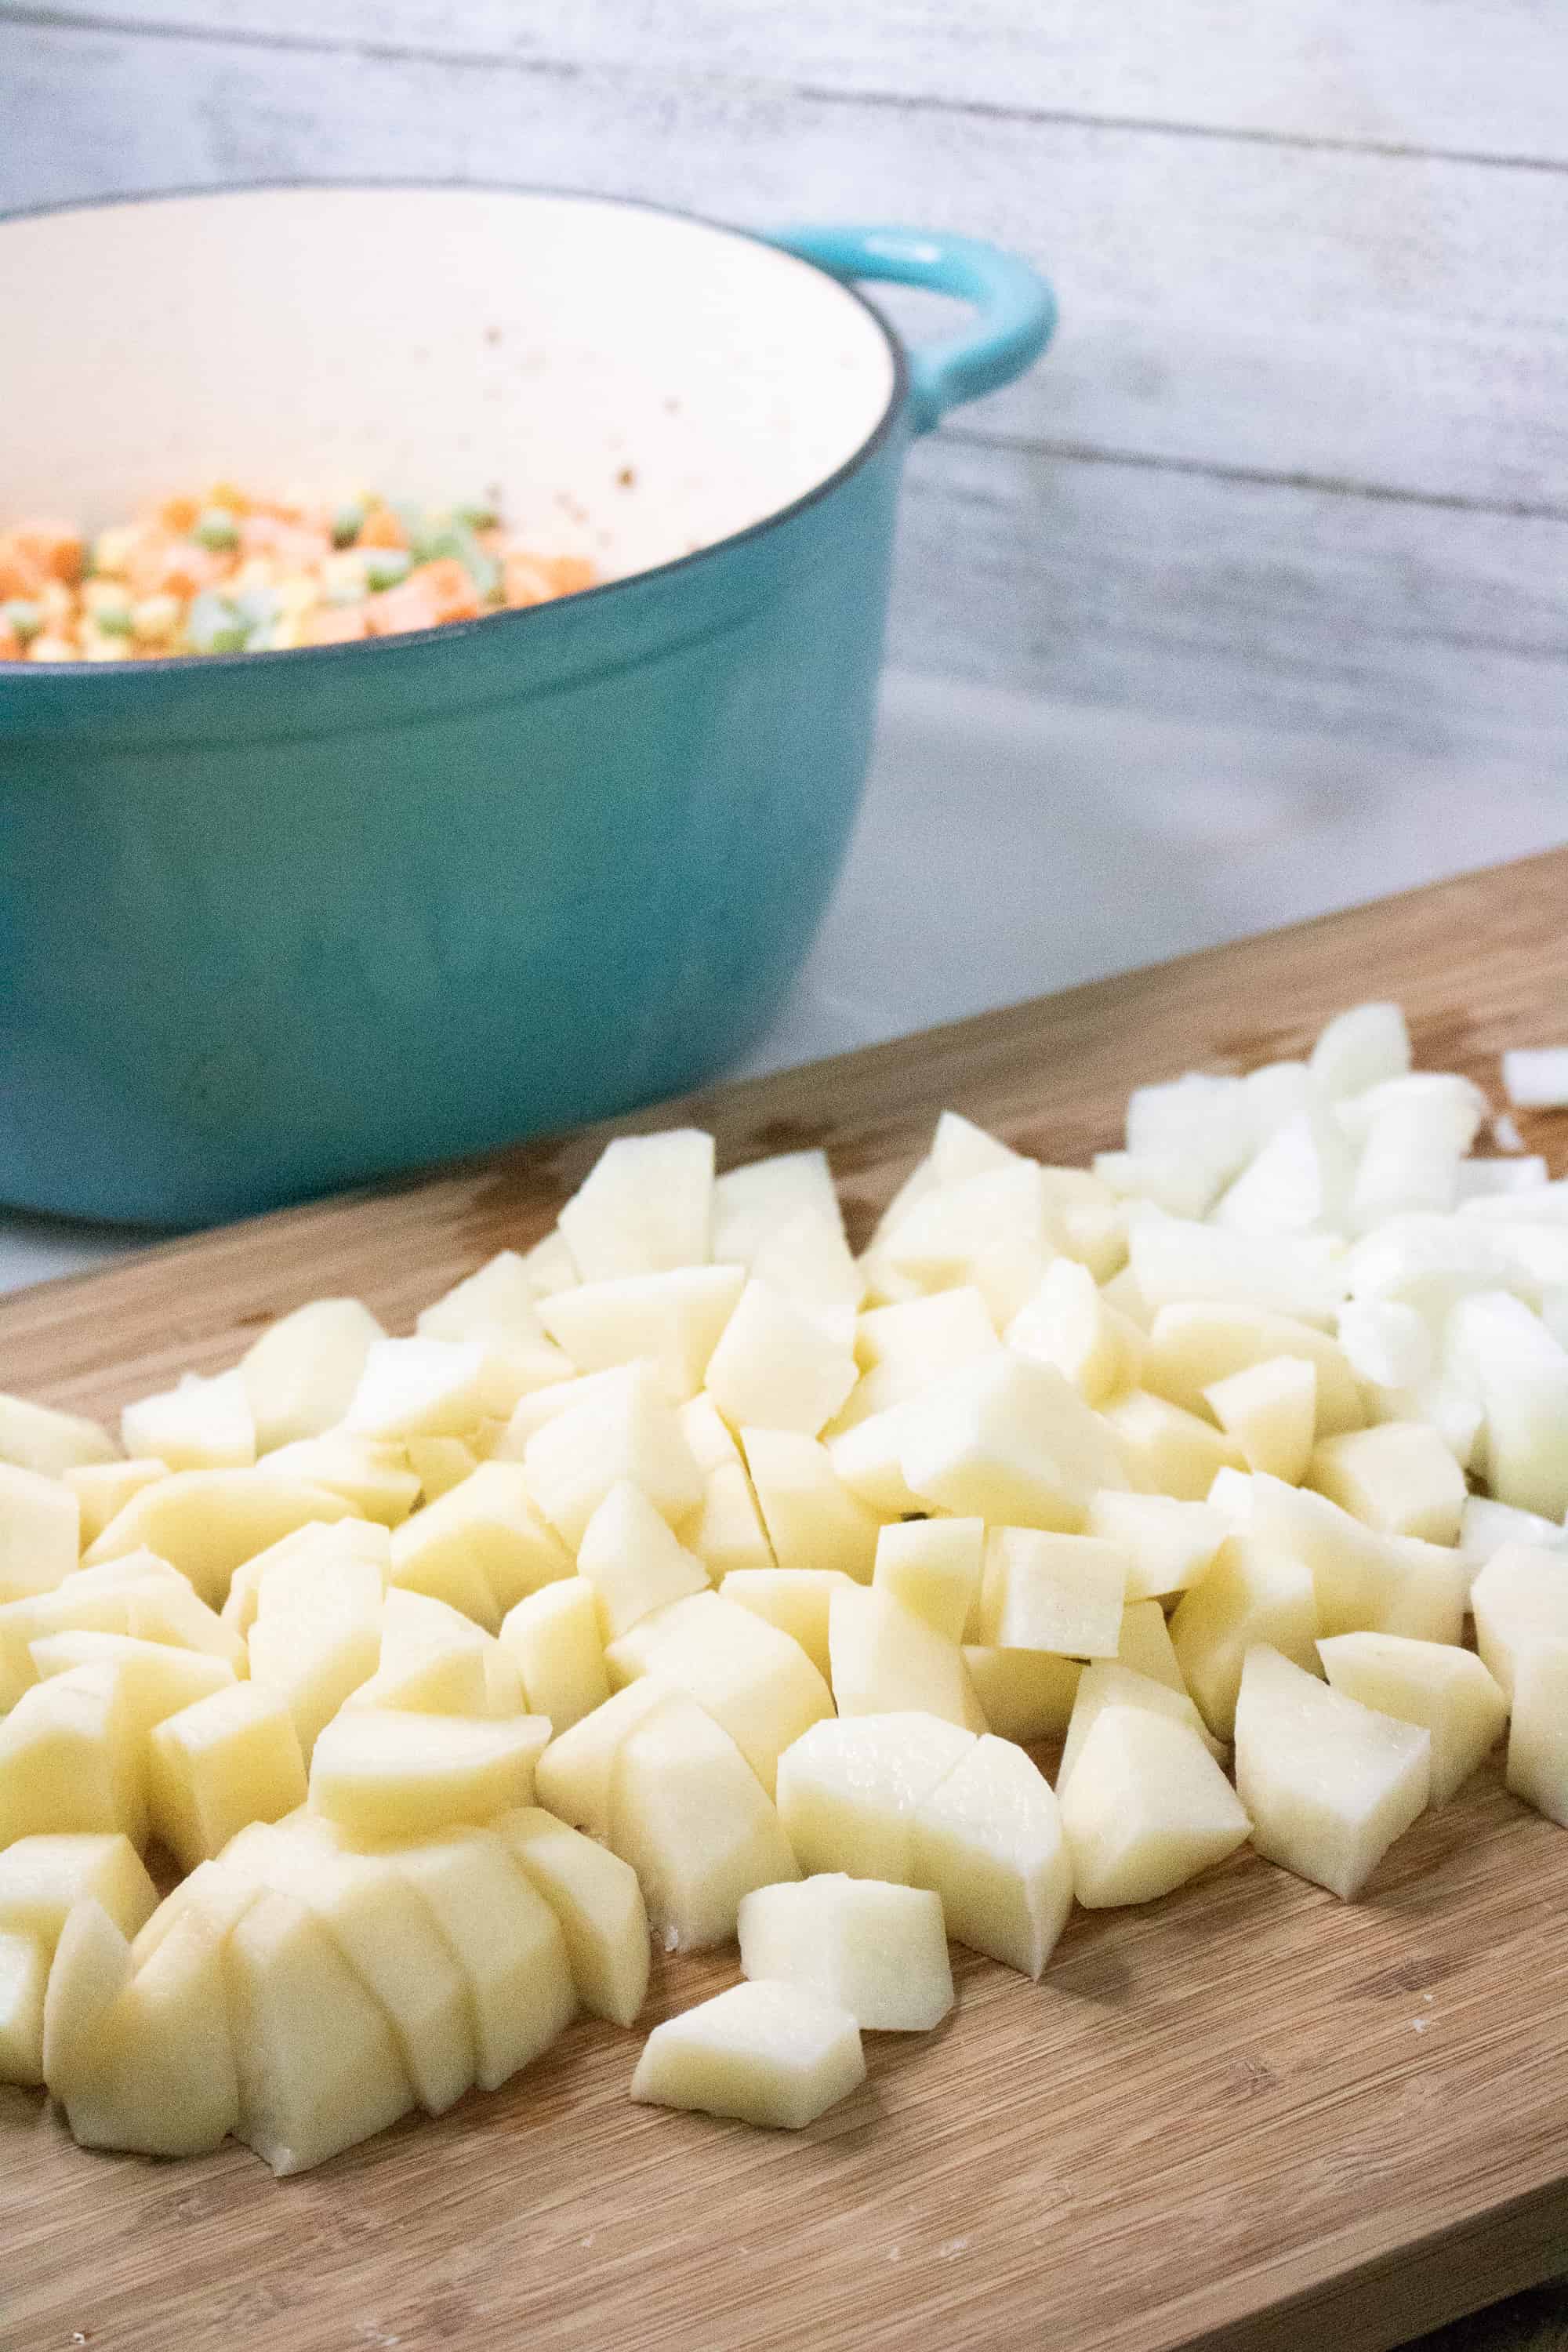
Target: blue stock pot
[{"x": 274, "y": 922}]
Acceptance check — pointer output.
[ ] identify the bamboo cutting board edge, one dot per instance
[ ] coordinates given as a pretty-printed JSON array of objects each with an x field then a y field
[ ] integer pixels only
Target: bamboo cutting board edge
[{"x": 1222, "y": 2124}]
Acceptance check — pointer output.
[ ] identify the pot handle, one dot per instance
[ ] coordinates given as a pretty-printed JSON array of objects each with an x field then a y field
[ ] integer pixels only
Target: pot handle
[{"x": 1017, "y": 308}]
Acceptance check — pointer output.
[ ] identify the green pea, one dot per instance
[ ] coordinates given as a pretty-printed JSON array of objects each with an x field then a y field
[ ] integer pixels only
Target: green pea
[
  {"x": 386, "y": 566},
  {"x": 216, "y": 529},
  {"x": 348, "y": 522},
  {"x": 217, "y": 626},
  {"x": 112, "y": 620},
  {"x": 478, "y": 518},
  {"x": 24, "y": 617}
]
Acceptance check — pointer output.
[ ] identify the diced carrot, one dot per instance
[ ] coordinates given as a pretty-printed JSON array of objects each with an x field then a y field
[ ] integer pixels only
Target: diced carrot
[
  {"x": 335, "y": 625},
  {"x": 524, "y": 581},
  {"x": 176, "y": 567},
  {"x": 570, "y": 573},
  {"x": 382, "y": 527},
  {"x": 179, "y": 515},
  {"x": 10, "y": 642},
  {"x": 35, "y": 551},
  {"x": 433, "y": 593},
  {"x": 294, "y": 543}
]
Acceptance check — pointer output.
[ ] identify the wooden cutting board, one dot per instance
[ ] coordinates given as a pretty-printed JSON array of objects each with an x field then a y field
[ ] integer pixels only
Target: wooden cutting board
[{"x": 1251, "y": 2116}]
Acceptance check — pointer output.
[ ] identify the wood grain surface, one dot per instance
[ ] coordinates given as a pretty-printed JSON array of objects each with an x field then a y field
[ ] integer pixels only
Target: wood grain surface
[
  {"x": 1298, "y": 452},
  {"x": 1250, "y": 2118}
]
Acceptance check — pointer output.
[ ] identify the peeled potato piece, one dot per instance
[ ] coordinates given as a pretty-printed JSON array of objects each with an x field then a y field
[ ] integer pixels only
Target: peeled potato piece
[
  {"x": 766, "y": 2053},
  {"x": 595, "y": 1896},
  {"x": 877, "y": 1951},
  {"x": 988, "y": 1840},
  {"x": 1146, "y": 1808},
  {"x": 1328, "y": 1783}
]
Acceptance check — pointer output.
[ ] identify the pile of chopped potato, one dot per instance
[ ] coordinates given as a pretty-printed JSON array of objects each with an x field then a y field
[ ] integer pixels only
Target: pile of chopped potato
[
  {"x": 688, "y": 1573},
  {"x": 231, "y": 572}
]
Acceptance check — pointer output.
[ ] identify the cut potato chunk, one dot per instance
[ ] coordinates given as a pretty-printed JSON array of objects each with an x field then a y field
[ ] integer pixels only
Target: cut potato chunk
[
  {"x": 751, "y": 1204},
  {"x": 205, "y": 1522},
  {"x": 808, "y": 1260},
  {"x": 1520, "y": 1372},
  {"x": 1167, "y": 1544},
  {"x": 102, "y": 1489},
  {"x": 750, "y": 1679},
  {"x": 200, "y": 1425},
  {"x": 506, "y": 1939},
  {"x": 23, "y": 1976},
  {"x": 382, "y": 1774},
  {"x": 933, "y": 1568},
  {"x": 988, "y": 1841},
  {"x": 686, "y": 1813},
  {"x": 868, "y": 1458},
  {"x": 318, "y": 2065},
  {"x": 554, "y": 1638},
  {"x": 671, "y": 1320},
  {"x": 777, "y": 1367},
  {"x": 80, "y": 1605},
  {"x": 1520, "y": 1599},
  {"x": 706, "y": 1432},
  {"x": 1007, "y": 1441},
  {"x": 421, "y": 1387},
  {"x": 1356, "y": 1573},
  {"x": 624, "y": 1430},
  {"x": 1146, "y": 1645},
  {"x": 1252, "y": 1594},
  {"x": 228, "y": 1759},
  {"x": 70, "y": 1758},
  {"x": 317, "y": 1635},
  {"x": 1447, "y": 1691},
  {"x": 1538, "y": 1736},
  {"x": 879, "y": 1951},
  {"x": 38, "y": 1437},
  {"x": 375, "y": 1476},
  {"x": 883, "y": 1657},
  {"x": 727, "y": 1532},
  {"x": 902, "y": 1350},
  {"x": 300, "y": 1376},
  {"x": 1167, "y": 1450},
  {"x": 1173, "y": 1259},
  {"x": 1360, "y": 1049},
  {"x": 848, "y": 1791},
  {"x": 572, "y": 1776},
  {"x": 1024, "y": 1694},
  {"x": 991, "y": 1231},
  {"x": 42, "y": 1878},
  {"x": 550, "y": 1265},
  {"x": 1298, "y": 1183},
  {"x": 1271, "y": 1410},
  {"x": 1069, "y": 1324},
  {"x": 1146, "y": 1809},
  {"x": 1328, "y": 1783},
  {"x": 1399, "y": 1478},
  {"x": 813, "y": 1519},
  {"x": 439, "y": 1464},
  {"x": 40, "y": 1531},
  {"x": 1110, "y": 1683},
  {"x": 595, "y": 1896},
  {"x": 146, "y": 2061},
  {"x": 765, "y": 2053},
  {"x": 633, "y": 1562},
  {"x": 483, "y": 1547},
  {"x": 1055, "y": 1593},
  {"x": 646, "y": 1206},
  {"x": 499, "y": 1308},
  {"x": 434, "y": 1660},
  {"x": 795, "y": 1600}
]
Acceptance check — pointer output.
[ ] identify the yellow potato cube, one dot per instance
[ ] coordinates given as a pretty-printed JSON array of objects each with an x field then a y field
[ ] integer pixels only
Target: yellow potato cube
[
  {"x": 553, "y": 1638},
  {"x": 813, "y": 1518},
  {"x": 765, "y": 2053},
  {"x": 795, "y": 1600},
  {"x": 933, "y": 1566},
  {"x": 1399, "y": 1478},
  {"x": 626, "y": 1429},
  {"x": 41, "y": 1878},
  {"x": 807, "y": 1259},
  {"x": 506, "y": 1939},
  {"x": 201, "y": 1424},
  {"x": 1520, "y": 1600},
  {"x": 140, "y": 2059},
  {"x": 1067, "y": 1323},
  {"x": 1201, "y": 1340},
  {"x": 24, "y": 1975},
  {"x": 988, "y": 1840},
  {"x": 1168, "y": 1450},
  {"x": 375, "y": 1476},
  {"x": 38, "y": 1437},
  {"x": 1007, "y": 1441},
  {"x": 726, "y": 1531},
  {"x": 671, "y": 1320},
  {"x": 868, "y": 1460},
  {"x": 1328, "y": 1783},
  {"x": 382, "y": 1774},
  {"x": 848, "y": 1791},
  {"x": 777, "y": 1367},
  {"x": 1024, "y": 1694},
  {"x": 879, "y": 1951},
  {"x": 1538, "y": 1736},
  {"x": 595, "y": 1896},
  {"x": 903, "y": 1348},
  {"x": 752, "y": 1679},
  {"x": 70, "y": 1758},
  {"x": 205, "y": 1522},
  {"x": 1168, "y": 1544},
  {"x": 1146, "y": 1808},
  {"x": 314, "y": 1547},
  {"x": 752, "y": 1203},
  {"x": 302, "y": 1374},
  {"x": 572, "y": 1776},
  {"x": 686, "y": 1814},
  {"x": 231, "y": 1758},
  {"x": 481, "y": 1548},
  {"x": 1271, "y": 1410},
  {"x": 317, "y": 1635},
  {"x": 1146, "y": 1645},
  {"x": 40, "y": 1521},
  {"x": 646, "y": 1207},
  {"x": 1108, "y": 1683},
  {"x": 633, "y": 1562},
  {"x": 439, "y": 1464},
  {"x": 1447, "y": 1690},
  {"x": 102, "y": 1489},
  {"x": 433, "y": 1660},
  {"x": 1252, "y": 1594},
  {"x": 883, "y": 1658},
  {"x": 1057, "y": 1592}
]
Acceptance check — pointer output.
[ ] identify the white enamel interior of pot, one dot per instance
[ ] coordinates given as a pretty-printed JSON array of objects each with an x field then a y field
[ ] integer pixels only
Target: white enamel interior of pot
[{"x": 630, "y": 384}]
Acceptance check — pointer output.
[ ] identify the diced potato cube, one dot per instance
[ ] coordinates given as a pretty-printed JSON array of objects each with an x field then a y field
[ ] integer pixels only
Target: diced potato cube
[
  {"x": 1168, "y": 1450},
  {"x": 633, "y": 1562},
  {"x": 1520, "y": 1599},
  {"x": 625, "y": 1430},
  {"x": 23, "y": 1974},
  {"x": 1251, "y": 1595},
  {"x": 595, "y": 1896},
  {"x": 988, "y": 1841},
  {"x": 879, "y": 1951},
  {"x": 553, "y": 1637},
  {"x": 506, "y": 1939},
  {"x": 230, "y": 1758},
  {"x": 1006, "y": 1441},
  {"x": 933, "y": 1566},
  {"x": 375, "y": 1476},
  {"x": 42, "y": 1878},
  {"x": 1146, "y": 1645},
  {"x": 848, "y": 1791},
  {"x": 483, "y": 1547},
  {"x": 1270, "y": 1411},
  {"x": 1447, "y": 1690},
  {"x": 1146, "y": 1809},
  {"x": 201, "y": 1424},
  {"x": 869, "y": 1459},
  {"x": 813, "y": 1518},
  {"x": 434, "y": 1660},
  {"x": 884, "y": 1658},
  {"x": 1328, "y": 1783},
  {"x": 795, "y": 1600},
  {"x": 807, "y": 1259},
  {"x": 688, "y": 1813},
  {"x": 382, "y": 1774},
  {"x": 726, "y": 1532},
  {"x": 439, "y": 1464},
  {"x": 70, "y": 1760},
  {"x": 1173, "y": 1259},
  {"x": 646, "y": 1207},
  {"x": 751, "y": 1204},
  {"x": 706, "y": 1432},
  {"x": 1055, "y": 1593},
  {"x": 40, "y": 1521},
  {"x": 1067, "y": 1323},
  {"x": 777, "y": 1367},
  {"x": 420, "y": 1387},
  {"x": 1538, "y": 1736},
  {"x": 766, "y": 2053},
  {"x": 160, "y": 1679},
  {"x": 904, "y": 1349},
  {"x": 102, "y": 1489},
  {"x": 205, "y": 1522},
  {"x": 38, "y": 1437},
  {"x": 672, "y": 1320},
  {"x": 316, "y": 1550},
  {"x": 1399, "y": 1478},
  {"x": 1199, "y": 1341},
  {"x": 302, "y": 1374},
  {"x": 752, "y": 1679},
  {"x": 1357, "y": 1573},
  {"x": 572, "y": 1776},
  {"x": 317, "y": 1635},
  {"x": 1168, "y": 1544},
  {"x": 1024, "y": 1694},
  {"x": 991, "y": 1230},
  {"x": 146, "y": 2061},
  {"x": 1110, "y": 1683},
  {"x": 499, "y": 1308}
]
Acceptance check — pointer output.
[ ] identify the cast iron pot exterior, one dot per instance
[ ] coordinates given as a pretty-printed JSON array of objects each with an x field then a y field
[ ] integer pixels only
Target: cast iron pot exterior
[{"x": 272, "y": 924}]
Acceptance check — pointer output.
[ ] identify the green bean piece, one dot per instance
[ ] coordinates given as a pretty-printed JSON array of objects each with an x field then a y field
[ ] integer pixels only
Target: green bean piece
[
  {"x": 216, "y": 529},
  {"x": 348, "y": 522},
  {"x": 386, "y": 566}
]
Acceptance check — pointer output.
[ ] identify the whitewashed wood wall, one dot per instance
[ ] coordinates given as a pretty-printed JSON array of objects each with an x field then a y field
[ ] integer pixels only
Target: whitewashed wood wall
[{"x": 1300, "y": 455}]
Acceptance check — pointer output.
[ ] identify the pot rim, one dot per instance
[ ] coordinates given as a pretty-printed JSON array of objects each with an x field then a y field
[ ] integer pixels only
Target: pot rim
[{"x": 203, "y": 666}]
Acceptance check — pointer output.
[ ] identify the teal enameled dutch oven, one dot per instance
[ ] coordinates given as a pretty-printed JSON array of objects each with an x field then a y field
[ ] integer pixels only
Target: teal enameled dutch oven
[{"x": 275, "y": 922}]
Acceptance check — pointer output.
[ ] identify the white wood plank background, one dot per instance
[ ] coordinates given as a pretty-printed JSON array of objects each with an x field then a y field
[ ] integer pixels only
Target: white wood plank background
[{"x": 1302, "y": 452}]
